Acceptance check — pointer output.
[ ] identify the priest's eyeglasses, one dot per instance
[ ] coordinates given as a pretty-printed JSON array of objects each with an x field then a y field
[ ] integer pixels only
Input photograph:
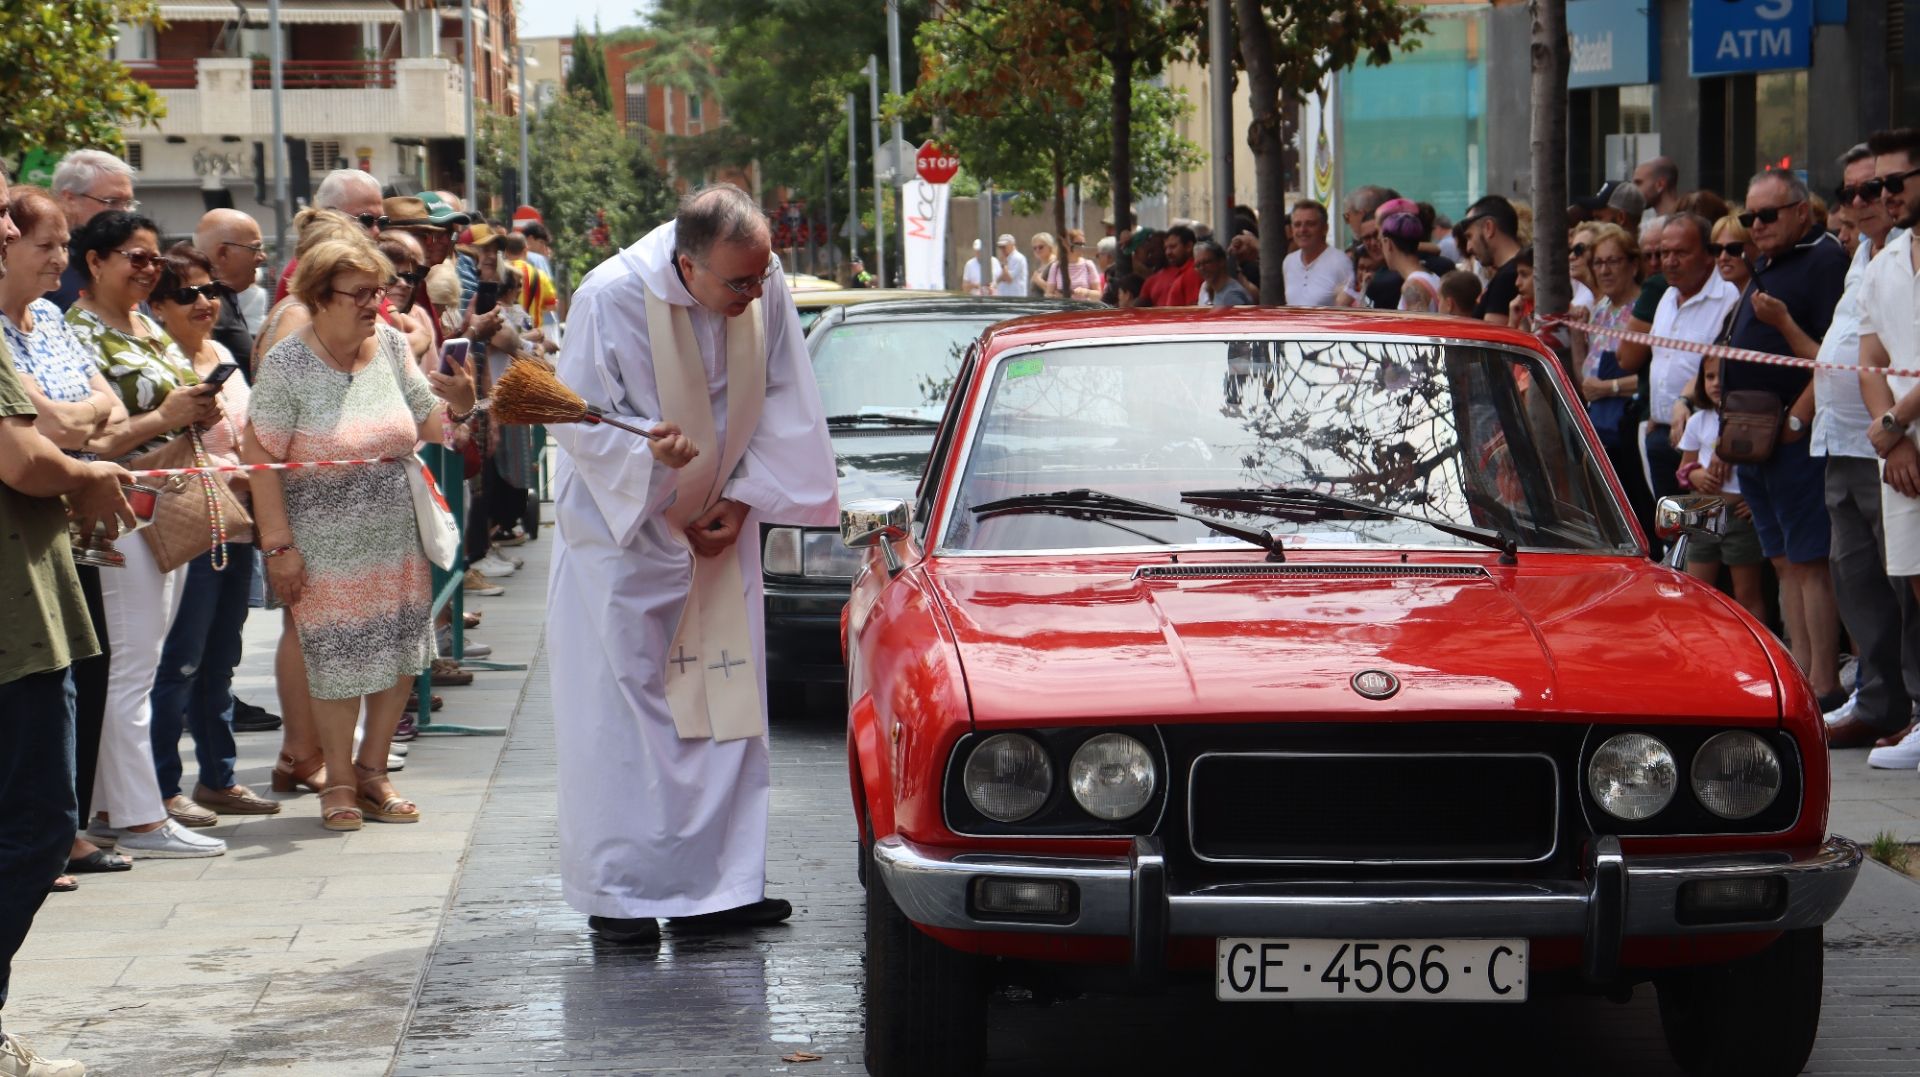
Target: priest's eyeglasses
[{"x": 745, "y": 285}]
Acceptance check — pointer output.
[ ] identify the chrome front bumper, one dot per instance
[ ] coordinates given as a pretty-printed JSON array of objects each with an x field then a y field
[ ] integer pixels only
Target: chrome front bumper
[{"x": 1130, "y": 896}]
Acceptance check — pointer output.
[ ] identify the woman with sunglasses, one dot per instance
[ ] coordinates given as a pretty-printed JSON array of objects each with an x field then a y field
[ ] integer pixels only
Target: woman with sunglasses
[
  {"x": 342, "y": 545},
  {"x": 78, "y": 411},
  {"x": 194, "y": 687},
  {"x": 118, "y": 255},
  {"x": 399, "y": 310},
  {"x": 1732, "y": 250}
]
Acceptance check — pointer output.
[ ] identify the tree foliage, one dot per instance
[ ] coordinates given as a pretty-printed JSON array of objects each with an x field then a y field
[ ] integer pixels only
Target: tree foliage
[
  {"x": 582, "y": 166},
  {"x": 1027, "y": 96},
  {"x": 588, "y": 75},
  {"x": 1288, "y": 49},
  {"x": 60, "y": 88},
  {"x": 677, "y": 56}
]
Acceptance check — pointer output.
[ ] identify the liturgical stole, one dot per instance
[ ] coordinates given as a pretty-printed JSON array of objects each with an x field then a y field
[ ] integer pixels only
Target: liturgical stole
[{"x": 713, "y": 686}]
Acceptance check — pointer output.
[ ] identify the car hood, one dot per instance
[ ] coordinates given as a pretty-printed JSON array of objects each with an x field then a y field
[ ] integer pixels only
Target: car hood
[
  {"x": 881, "y": 463},
  {"x": 1558, "y": 635}
]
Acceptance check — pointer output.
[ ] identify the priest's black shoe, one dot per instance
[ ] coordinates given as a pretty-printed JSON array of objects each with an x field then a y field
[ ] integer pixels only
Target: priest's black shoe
[
  {"x": 760, "y": 913},
  {"x": 625, "y": 929}
]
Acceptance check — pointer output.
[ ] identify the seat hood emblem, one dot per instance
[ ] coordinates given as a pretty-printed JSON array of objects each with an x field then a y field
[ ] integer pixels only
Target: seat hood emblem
[{"x": 1375, "y": 683}]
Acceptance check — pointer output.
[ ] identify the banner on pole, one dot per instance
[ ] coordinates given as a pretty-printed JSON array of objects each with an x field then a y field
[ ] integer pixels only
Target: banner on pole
[
  {"x": 926, "y": 238},
  {"x": 1318, "y": 152}
]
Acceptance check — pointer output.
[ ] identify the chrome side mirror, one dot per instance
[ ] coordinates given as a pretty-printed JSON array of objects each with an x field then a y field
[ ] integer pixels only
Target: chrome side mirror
[
  {"x": 1679, "y": 518},
  {"x": 879, "y": 521}
]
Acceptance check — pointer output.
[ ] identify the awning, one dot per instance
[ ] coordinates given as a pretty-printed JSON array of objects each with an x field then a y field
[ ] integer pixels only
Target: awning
[{"x": 305, "y": 12}]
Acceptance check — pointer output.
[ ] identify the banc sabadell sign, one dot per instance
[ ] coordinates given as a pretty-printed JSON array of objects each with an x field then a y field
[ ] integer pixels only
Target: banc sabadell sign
[
  {"x": 1614, "y": 42},
  {"x": 1732, "y": 37}
]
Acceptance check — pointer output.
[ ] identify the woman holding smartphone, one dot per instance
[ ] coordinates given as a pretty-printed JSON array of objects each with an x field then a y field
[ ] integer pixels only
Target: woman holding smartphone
[
  {"x": 194, "y": 686},
  {"x": 118, "y": 255},
  {"x": 342, "y": 545}
]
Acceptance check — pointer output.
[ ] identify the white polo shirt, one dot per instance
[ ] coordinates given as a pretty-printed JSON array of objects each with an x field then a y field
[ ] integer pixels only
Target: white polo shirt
[
  {"x": 1016, "y": 270},
  {"x": 1672, "y": 370},
  {"x": 1315, "y": 283},
  {"x": 1888, "y": 304},
  {"x": 1840, "y": 418}
]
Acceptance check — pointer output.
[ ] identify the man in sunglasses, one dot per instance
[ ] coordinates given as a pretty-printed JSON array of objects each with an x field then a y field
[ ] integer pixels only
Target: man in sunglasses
[
  {"x": 1787, "y": 309},
  {"x": 88, "y": 183},
  {"x": 1882, "y": 618},
  {"x": 654, "y": 597},
  {"x": 231, "y": 241},
  {"x": 1491, "y": 229},
  {"x": 352, "y": 192}
]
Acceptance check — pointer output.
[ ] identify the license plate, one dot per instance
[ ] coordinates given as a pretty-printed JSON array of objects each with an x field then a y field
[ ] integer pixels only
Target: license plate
[{"x": 1365, "y": 970}]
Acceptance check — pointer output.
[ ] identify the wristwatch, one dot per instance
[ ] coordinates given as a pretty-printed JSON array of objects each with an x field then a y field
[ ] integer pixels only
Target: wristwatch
[
  {"x": 1795, "y": 424},
  {"x": 1891, "y": 425}
]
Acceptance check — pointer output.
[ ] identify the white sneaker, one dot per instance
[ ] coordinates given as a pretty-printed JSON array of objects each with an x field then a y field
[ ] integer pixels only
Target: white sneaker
[
  {"x": 1902, "y": 756},
  {"x": 492, "y": 567},
  {"x": 498, "y": 554},
  {"x": 396, "y": 763},
  {"x": 170, "y": 842},
  {"x": 19, "y": 1060},
  {"x": 400, "y": 749},
  {"x": 471, "y": 648},
  {"x": 1844, "y": 711}
]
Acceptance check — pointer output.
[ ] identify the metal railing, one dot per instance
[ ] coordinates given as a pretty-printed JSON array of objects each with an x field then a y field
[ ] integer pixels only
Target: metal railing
[
  {"x": 166, "y": 74},
  {"x": 295, "y": 74}
]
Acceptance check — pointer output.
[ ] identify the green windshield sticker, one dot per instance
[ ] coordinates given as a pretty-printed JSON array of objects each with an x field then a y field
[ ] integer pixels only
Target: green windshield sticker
[{"x": 1021, "y": 368}]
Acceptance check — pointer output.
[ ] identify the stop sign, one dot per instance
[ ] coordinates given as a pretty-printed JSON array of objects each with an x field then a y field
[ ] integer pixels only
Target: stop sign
[{"x": 936, "y": 163}]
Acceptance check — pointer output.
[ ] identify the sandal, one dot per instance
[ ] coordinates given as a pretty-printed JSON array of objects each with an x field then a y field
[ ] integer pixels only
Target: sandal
[
  {"x": 342, "y": 818},
  {"x": 98, "y": 862},
  {"x": 65, "y": 884},
  {"x": 290, "y": 774},
  {"x": 392, "y": 808}
]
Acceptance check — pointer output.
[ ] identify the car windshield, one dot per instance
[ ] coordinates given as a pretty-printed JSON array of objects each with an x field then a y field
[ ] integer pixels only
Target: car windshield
[
  {"x": 899, "y": 367},
  {"x": 1458, "y": 433}
]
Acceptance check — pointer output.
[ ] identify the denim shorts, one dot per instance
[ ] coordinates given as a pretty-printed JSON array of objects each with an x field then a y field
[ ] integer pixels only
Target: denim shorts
[{"x": 1789, "y": 498}]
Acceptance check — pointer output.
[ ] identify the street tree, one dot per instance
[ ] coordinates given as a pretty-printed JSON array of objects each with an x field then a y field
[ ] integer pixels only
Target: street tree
[
  {"x": 588, "y": 175},
  {"x": 1028, "y": 100},
  {"x": 60, "y": 87},
  {"x": 588, "y": 74},
  {"x": 1136, "y": 38},
  {"x": 1288, "y": 49},
  {"x": 1552, "y": 287}
]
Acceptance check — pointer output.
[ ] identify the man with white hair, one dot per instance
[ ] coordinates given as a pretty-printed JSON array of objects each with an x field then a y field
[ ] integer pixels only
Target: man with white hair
[
  {"x": 231, "y": 241},
  {"x": 352, "y": 192},
  {"x": 1011, "y": 278},
  {"x": 88, "y": 183}
]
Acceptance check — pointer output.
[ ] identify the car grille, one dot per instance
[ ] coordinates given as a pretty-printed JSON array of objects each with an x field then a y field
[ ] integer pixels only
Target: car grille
[{"x": 1338, "y": 807}]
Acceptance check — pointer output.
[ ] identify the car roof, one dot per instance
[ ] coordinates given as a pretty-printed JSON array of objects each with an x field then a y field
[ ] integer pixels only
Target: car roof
[
  {"x": 950, "y": 306},
  {"x": 1227, "y": 321}
]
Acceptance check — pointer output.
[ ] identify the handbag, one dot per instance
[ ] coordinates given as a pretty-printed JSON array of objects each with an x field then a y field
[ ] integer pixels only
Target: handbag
[
  {"x": 194, "y": 513},
  {"x": 439, "y": 534},
  {"x": 1749, "y": 418}
]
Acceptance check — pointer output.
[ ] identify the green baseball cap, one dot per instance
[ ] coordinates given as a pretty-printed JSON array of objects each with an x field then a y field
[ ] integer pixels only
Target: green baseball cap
[{"x": 441, "y": 214}]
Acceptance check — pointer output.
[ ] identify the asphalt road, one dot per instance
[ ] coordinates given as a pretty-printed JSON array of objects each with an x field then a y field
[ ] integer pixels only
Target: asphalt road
[{"x": 516, "y": 984}]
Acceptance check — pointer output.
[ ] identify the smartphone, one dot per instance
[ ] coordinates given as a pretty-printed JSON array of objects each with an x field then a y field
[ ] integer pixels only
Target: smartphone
[
  {"x": 487, "y": 297},
  {"x": 220, "y": 375},
  {"x": 454, "y": 353}
]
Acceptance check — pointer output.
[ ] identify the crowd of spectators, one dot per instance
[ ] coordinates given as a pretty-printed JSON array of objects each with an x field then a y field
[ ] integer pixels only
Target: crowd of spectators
[{"x": 119, "y": 345}]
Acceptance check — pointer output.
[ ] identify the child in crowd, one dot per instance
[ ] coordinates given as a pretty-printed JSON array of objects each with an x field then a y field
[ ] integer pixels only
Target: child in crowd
[
  {"x": 1739, "y": 547},
  {"x": 1520, "y": 311},
  {"x": 1459, "y": 293}
]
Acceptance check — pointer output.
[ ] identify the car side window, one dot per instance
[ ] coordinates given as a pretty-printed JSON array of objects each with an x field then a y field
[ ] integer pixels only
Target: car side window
[{"x": 942, "y": 445}]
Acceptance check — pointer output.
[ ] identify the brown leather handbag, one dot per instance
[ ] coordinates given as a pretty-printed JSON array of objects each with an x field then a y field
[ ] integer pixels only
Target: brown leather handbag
[
  {"x": 1749, "y": 426},
  {"x": 194, "y": 513}
]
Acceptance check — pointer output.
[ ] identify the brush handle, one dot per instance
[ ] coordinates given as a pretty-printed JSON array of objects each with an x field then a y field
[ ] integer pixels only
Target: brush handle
[{"x": 595, "y": 415}]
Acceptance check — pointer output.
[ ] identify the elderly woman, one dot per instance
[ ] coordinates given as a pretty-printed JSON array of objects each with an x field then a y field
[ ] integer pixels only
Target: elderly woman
[
  {"x": 1610, "y": 389},
  {"x": 118, "y": 255},
  {"x": 194, "y": 687},
  {"x": 78, "y": 411},
  {"x": 289, "y": 315},
  {"x": 1044, "y": 248},
  {"x": 342, "y": 546}
]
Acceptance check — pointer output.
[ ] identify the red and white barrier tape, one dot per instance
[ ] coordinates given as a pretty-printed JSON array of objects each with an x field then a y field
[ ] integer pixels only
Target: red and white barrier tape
[
  {"x": 1745, "y": 355},
  {"x": 169, "y": 472}
]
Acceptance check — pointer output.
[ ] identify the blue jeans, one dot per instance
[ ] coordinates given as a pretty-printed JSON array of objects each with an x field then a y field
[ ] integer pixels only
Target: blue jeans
[
  {"x": 36, "y": 801},
  {"x": 194, "y": 684}
]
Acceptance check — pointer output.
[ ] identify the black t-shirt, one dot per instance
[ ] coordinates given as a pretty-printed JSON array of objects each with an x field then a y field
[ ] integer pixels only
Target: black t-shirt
[
  {"x": 1437, "y": 264},
  {"x": 230, "y": 329},
  {"x": 1501, "y": 290},
  {"x": 1809, "y": 279},
  {"x": 1383, "y": 289}
]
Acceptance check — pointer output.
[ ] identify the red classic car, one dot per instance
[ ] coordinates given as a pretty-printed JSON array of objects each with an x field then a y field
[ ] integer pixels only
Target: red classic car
[{"x": 1315, "y": 655}]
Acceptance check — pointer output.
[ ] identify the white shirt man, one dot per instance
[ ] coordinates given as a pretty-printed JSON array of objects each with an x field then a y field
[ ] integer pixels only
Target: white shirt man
[
  {"x": 1840, "y": 418},
  {"x": 1013, "y": 278},
  {"x": 654, "y": 604},
  {"x": 1889, "y": 306},
  {"x": 1314, "y": 271},
  {"x": 970, "y": 273},
  {"x": 1697, "y": 317}
]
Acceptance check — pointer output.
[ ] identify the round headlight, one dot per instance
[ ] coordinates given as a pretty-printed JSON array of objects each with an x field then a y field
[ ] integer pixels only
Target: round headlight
[
  {"x": 1736, "y": 775},
  {"x": 1632, "y": 776},
  {"x": 1112, "y": 776},
  {"x": 1008, "y": 777}
]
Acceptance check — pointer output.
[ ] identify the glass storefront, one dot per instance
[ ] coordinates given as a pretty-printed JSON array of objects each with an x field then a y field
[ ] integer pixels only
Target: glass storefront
[{"x": 1418, "y": 124}]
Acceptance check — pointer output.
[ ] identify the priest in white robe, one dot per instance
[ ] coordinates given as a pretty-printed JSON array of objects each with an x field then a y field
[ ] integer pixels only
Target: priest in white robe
[{"x": 654, "y": 631}]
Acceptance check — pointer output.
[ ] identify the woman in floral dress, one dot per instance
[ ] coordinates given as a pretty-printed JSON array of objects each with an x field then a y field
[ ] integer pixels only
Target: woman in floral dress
[{"x": 342, "y": 546}]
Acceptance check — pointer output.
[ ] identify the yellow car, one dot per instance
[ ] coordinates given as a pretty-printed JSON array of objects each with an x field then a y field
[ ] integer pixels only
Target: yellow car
[{"x": 814, "y": 303}]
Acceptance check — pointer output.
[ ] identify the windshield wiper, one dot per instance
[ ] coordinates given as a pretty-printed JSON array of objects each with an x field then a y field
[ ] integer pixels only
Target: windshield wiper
[
  {"x": 914, "y": 421},
  {"x": 1295, "y": 502},
  {"x": 1094, "y": 505}
]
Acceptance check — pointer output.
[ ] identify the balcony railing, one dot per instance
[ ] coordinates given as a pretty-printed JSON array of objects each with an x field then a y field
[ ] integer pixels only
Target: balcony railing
[{"x": 294, "y": 74}]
